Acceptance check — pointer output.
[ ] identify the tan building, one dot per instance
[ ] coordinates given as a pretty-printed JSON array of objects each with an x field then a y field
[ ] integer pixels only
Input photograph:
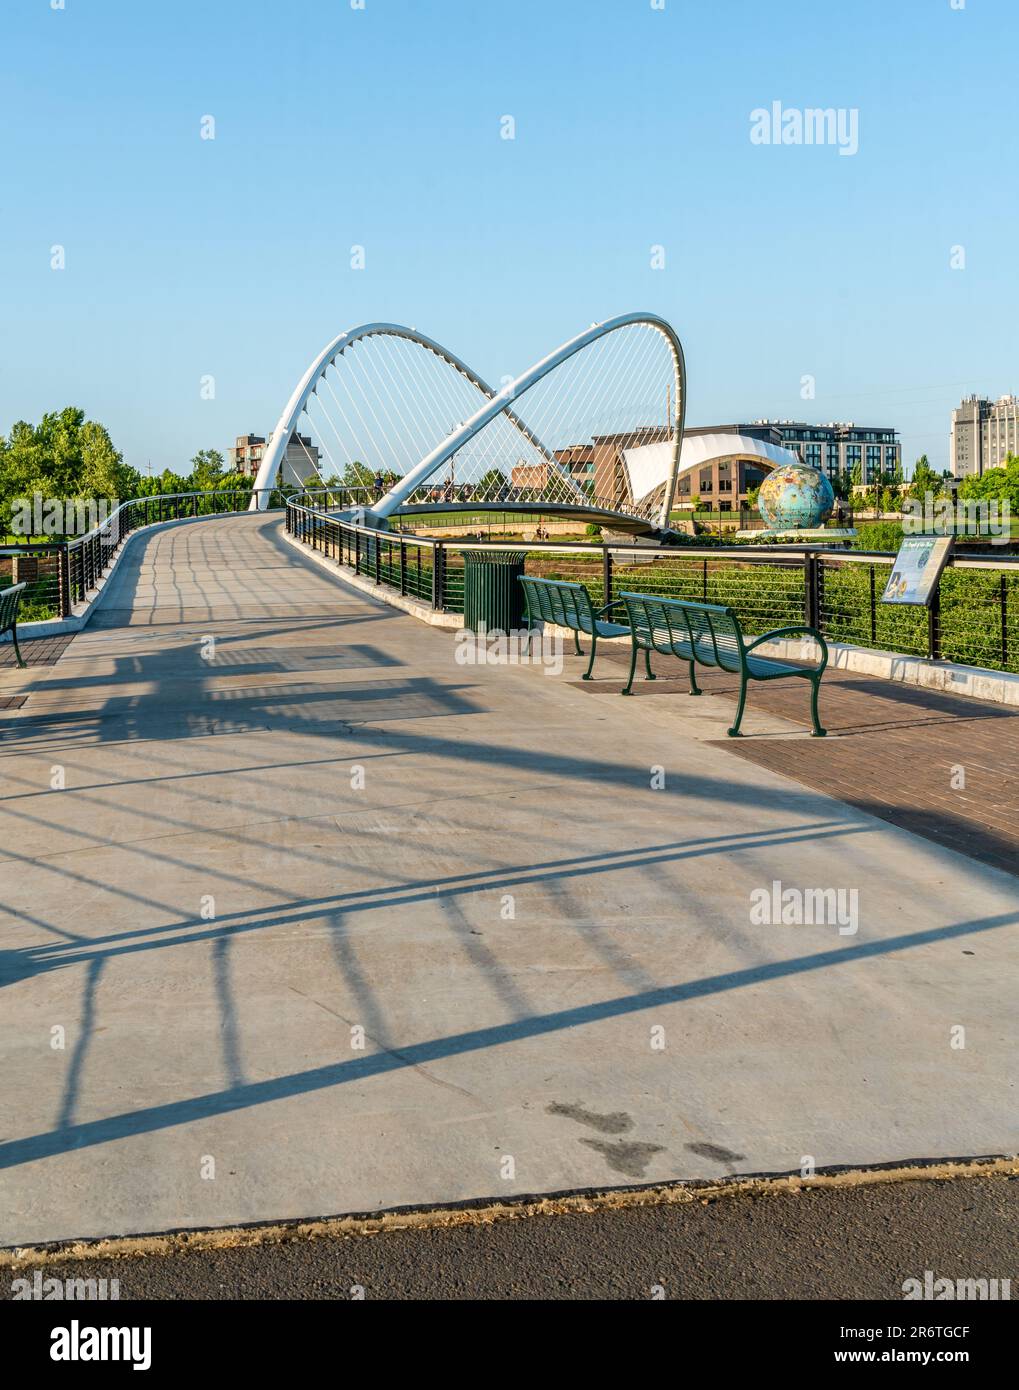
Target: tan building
[
  {"x": 577, "y": 461},
  {"x": 984, "y": 433},
  {"x": 612, "y": 483},
  {"x": 298, "y": 467}
]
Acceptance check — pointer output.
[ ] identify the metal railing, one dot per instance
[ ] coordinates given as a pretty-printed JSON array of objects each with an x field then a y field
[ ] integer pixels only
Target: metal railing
[
  {"x": 62, "y": 573},
  {"x": 973, "y": 619}
]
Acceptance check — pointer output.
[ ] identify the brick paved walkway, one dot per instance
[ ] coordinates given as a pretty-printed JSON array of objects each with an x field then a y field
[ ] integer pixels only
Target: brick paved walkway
[
  {"x": 893, "y": 751},
  {"x": 37, "y": 651}
]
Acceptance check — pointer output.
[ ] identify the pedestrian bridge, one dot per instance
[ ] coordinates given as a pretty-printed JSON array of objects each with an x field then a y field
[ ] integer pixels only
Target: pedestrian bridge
[
  {"x": 301, "y": 916},
  {"x": 570, "y": 436}
]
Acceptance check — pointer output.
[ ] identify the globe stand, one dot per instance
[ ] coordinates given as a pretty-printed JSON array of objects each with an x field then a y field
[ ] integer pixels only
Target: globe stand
[{"x": 802, "y": 533}]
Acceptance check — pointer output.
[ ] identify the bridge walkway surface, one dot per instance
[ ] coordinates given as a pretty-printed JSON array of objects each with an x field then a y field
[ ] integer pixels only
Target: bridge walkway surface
[{"x": 303, "y": 917}]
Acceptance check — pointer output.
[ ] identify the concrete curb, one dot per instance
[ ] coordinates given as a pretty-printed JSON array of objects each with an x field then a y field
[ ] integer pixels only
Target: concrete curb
[
  {"x": 485, "y": 1211},
  {"x": 999, "y": 687}
]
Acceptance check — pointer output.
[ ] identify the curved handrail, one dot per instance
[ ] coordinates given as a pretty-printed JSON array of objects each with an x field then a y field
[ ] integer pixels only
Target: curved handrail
[{"x": 107, "y": 525}]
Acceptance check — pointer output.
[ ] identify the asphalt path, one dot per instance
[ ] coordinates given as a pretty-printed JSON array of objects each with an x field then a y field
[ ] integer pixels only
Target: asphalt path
[{"x": 853, "y": 1242}]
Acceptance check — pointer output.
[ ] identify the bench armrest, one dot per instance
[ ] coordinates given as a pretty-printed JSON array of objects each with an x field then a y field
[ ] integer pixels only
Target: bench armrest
[
  {"x": 798, "y": 629},
  {"x": 607, "y": 607}
]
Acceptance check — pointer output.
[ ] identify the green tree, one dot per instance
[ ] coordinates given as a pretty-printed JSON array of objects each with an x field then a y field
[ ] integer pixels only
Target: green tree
[
  {"x": 103, "y": 470},
  {"x": 924, "y": 480},
  {"x": 996, "y": 484},
  {"x": 169, "y": 482},
  {"x": 206, "y": 471},
  {"x": 358, "y": 475},
  {"x": 493, "y": 482},
  {"x": 65, "y": 455}
]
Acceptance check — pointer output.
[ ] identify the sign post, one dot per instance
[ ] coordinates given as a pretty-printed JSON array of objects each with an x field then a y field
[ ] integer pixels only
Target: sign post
[{"x": 917, "y": 569}]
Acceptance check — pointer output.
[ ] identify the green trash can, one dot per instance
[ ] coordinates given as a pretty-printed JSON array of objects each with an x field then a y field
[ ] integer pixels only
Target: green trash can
[{"x": 493, "y": 599}]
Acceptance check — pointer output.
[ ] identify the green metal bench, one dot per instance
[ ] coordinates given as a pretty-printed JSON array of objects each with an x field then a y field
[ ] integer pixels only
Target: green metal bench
[
  {"x": 569, "y": 605},
  {"x": 710, "y": 635},
  {"x": 9, "y": 601}
]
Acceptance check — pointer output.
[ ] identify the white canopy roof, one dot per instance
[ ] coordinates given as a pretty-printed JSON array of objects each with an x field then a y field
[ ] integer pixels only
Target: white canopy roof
[{"x": 647, "y": 465}]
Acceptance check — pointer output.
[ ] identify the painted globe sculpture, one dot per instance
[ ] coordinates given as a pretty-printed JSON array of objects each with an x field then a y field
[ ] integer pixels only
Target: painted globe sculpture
[{"x": 795, "y": 497}]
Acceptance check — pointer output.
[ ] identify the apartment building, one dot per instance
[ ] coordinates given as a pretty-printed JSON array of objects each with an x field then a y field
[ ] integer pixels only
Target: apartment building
[
  {"x": 299, "y": 465},
  {"x": 984, "y": 433}
]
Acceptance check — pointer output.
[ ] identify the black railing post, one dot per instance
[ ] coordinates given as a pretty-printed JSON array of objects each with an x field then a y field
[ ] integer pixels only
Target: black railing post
[
  {"x": 934, "y": 624},
  {"x": 606, "y": 574},
  {"x": 378, "y": 559},
  {"x": 873, "y": 609},
  {"x": 64, "y": 580},
  {"x": 403, "y": 566},
  {"x": 1003, "y": 604},
  {"x": 438, "y": 575},
  {"x": 357, "y": 552},
  {"x": 812, "y": 608}
]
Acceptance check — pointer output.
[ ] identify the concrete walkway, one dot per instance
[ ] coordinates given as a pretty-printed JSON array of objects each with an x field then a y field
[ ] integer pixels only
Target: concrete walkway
[{"x": 322, "y": 921}]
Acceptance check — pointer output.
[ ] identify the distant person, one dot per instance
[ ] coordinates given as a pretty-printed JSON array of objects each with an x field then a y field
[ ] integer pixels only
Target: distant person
[{"x": 380, "y": 485}]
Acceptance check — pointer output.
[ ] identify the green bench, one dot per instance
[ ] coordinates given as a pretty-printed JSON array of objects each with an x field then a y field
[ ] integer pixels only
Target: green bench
[
  {"x": 569, "y": 605},
  {"x": 9, "y": 601},
  {"x": 709, "y": 634}
]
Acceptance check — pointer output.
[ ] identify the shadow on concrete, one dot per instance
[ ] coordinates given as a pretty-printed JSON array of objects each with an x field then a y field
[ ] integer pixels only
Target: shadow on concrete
[{"x": 223, "y": 1102}]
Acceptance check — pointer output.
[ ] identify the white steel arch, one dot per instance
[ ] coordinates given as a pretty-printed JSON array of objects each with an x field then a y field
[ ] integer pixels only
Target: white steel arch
[
  {"x": 494, "y": 405},
  {"x": 500, "y": 402},
  {"x": 268, "y": 469}
]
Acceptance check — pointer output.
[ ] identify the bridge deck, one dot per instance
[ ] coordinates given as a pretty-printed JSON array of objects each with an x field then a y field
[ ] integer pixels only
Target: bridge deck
[{"x": 553, "y": 965}]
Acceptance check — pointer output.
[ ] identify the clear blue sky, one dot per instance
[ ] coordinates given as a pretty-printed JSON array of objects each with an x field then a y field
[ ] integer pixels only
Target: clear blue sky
[{"x": 381, "y": 127}]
